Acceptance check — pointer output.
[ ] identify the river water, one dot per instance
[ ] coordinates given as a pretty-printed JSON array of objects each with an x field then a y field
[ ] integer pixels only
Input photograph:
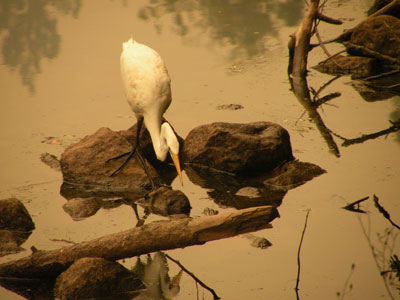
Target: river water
[{"x": 60, "y": 81}]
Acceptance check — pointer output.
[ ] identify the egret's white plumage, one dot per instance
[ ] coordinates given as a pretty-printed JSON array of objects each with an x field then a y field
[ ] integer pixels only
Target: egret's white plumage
[{"x": 147, "y": 88}]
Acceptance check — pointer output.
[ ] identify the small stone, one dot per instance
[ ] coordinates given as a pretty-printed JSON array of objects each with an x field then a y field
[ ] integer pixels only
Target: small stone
[{"x": 80, "y": 208}]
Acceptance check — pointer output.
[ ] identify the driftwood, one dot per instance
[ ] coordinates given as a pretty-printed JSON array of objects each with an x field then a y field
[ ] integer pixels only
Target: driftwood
[
  {"x": 156, "y": 236},
  {"x": 299, "y": 45},
  {"x": 301, "y": 40}
]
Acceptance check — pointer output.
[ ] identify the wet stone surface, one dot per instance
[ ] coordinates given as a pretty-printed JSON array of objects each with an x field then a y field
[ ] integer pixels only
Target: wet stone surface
[
  {"x": 238, "y": 148},
  {"x": 16, "y": 225},
  {"x": 96, "y": 278}
]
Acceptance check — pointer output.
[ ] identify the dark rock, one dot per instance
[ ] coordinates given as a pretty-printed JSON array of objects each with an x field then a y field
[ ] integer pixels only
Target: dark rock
[
  {"x": 379, "y": 34},
  {"x": 165, "y": 202},
  {"x": 230, "y": 107},
  {"x": 86, "y": 171},
  {"x": 292, "y": 174},
  {"x": 16, "y": 225},
  {"x": 361, "y": 66},
  {"x": 238, "y": 148},
  {"x": 97, "y": 278},
  {"x": 14, "y": 216},
  {"x": 80, "y": 208},
  {"x": 84, "y": 166}
]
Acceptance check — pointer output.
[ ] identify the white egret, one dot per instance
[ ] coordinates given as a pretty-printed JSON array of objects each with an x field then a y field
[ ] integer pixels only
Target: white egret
[{"x": 147, "y": 88}]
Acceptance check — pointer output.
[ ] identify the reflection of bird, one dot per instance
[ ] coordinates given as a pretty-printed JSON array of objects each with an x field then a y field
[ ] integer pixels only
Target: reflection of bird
[
  {"x": 154, "y": 274},
  {"x": 148, "y": 91}
]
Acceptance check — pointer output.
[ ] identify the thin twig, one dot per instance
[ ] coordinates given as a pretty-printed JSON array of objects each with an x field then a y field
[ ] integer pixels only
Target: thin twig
[
  {"x": 333, "y": 55},
  {"x": 298, "y": 257},
  {"x": 193, "y": 276},
  {"x": 325, "y": 49},
  {"x": 390, "y": 73}
]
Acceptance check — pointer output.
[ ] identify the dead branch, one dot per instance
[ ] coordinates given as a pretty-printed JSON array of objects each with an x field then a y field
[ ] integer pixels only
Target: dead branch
[
  {"x": 298, "y": 257},
  {"x": 370, "y": 53},
  {"x": 384, "y": 212},
  {"x": 301, "y": 45},
  {"x": 326, "y": 50},
  {"x": 156, "y": 236},
  {"x": 327, "y": 19}
]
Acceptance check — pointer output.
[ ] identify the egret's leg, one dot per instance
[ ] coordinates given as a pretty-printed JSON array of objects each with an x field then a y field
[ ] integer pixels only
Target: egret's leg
[
  {"x": 130, "y": 153},
  {"x": 143, "y": 163}
]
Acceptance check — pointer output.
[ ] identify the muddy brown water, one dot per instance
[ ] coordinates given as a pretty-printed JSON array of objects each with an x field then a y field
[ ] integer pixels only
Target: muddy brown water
[{"x": 60, "y": 81}]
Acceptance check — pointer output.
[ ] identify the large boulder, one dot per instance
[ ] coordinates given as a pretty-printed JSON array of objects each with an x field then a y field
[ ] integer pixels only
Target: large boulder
[
  {"x": 376, "y": 37},
  {"x": 86, "y": 171},
  {"x": 93, "y": 277},
  {"x": 85, "y": 165},
  {"x": 238, "y": 148}
]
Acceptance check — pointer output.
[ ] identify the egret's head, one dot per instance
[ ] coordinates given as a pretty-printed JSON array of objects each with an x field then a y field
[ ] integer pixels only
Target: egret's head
[{"x": 170, "y": 143}]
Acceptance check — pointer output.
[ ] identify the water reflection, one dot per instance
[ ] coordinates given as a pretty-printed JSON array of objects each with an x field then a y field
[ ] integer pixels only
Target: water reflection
[
  {"x": 309, "y": 98},
  {"x": 244, "y": 24},
  {"x": 154, "y": 274},
  {"x": 30, "y": 34}
]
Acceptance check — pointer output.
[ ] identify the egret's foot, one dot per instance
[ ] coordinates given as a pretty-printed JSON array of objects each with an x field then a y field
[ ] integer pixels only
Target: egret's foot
[
  {"x": 118, "y": 156},
  {"x": 130, "y": 154}
]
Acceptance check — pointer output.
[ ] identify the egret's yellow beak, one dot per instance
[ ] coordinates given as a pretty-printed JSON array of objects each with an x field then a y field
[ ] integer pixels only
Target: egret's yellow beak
[{"x": 175, "y": 159}]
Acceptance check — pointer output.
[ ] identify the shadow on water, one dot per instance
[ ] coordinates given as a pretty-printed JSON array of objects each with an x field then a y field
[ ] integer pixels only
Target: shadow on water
[
  {"x": 30, "y": 34},
  {"x": 226, "y": 21}
]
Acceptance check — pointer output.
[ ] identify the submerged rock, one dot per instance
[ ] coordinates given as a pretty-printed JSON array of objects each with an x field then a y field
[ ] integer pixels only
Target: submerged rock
[
  {"x": 238, "y": 148},
  {"x": 93, "y": 277},
  {"x": 357, "y": 65},
  {"x": 166, "y": 202},
  {"x": 292, "y": 174},
  {"x": 80, "y": 208},
  {"x": 228, "y": 190}
]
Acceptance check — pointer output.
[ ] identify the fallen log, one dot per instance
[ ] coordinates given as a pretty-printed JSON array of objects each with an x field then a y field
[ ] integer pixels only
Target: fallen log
[{"x": 156, "y": 236}]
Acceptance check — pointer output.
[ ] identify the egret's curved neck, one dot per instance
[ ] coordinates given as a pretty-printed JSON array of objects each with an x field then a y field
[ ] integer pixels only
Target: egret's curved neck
[{"x": 153, "y": 125}]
